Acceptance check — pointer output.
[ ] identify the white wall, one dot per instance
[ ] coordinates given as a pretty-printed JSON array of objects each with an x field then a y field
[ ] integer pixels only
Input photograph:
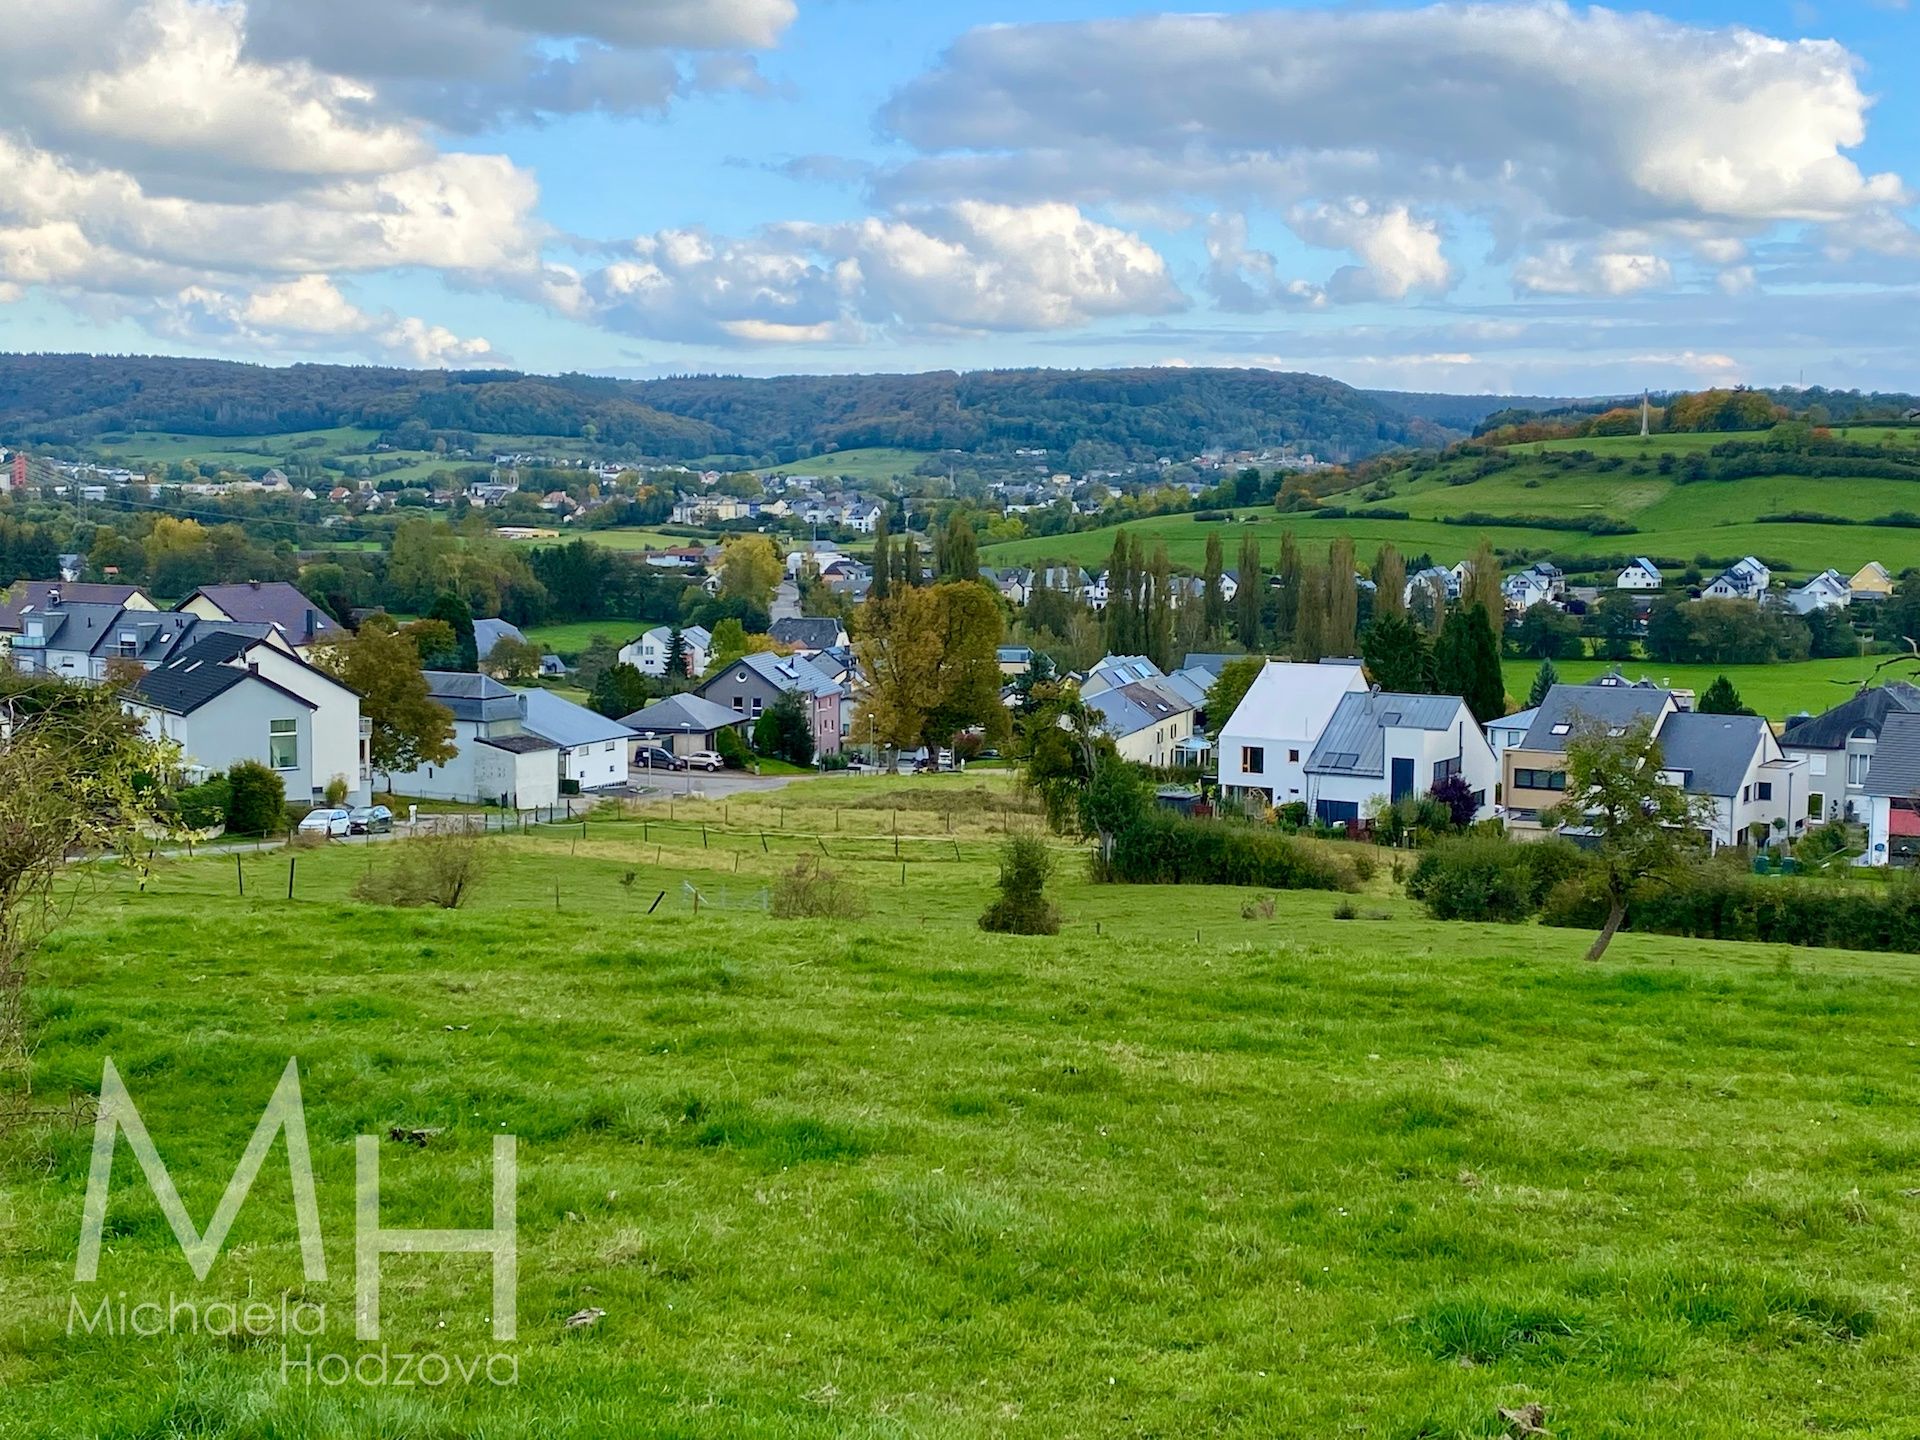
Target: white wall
[{"x": 595, "y": 766}]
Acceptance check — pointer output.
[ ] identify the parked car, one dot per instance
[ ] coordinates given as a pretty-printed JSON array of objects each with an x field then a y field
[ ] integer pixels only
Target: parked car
[
  {"x": 327, "y": 821},
  {"x": 371, "y": 820},
  {"x": 706, "y": 760},
  {"x": 652, "y": 757}
]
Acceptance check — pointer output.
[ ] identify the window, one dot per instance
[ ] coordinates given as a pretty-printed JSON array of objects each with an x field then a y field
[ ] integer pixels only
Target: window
[
  {"x": 1765, "y": 789},
  {"x": 1857, "y": 766},
  {"x": 1746, "y": 793},
  {"x": 739, "y": 704},
  {"x": 1563, "y": 728},
  {"x": 1539, "y": 779},
  {"x": 1816, "y": 806},
  {"x": 758, "y": 705},
  {"x": 1816, "y": 764},
  {"x": 1253, "y": 759},
  {"x": 1443, "y": 768},
  {"x": 611, "y": 746},
  {"x": 1293, "y": 757},
  {"x": 283, "y": 744}
]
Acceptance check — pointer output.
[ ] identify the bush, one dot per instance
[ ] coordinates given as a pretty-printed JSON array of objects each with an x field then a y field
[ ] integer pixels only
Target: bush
[
  {"x": 257, "y": 803},
  {"x": 732, "y": 749},
  {"x": 202, "y": 807},
  {"x": 811, "y": 892},
  {"x": 1023, "y": 908},
  {"x": 1480, "y": 877},
  {"x": 441, "y": 870},
  {"x": 1161, "y": 848}
]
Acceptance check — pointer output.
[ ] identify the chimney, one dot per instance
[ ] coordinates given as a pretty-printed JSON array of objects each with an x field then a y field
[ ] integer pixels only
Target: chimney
[
  {"x": 53, "y": 597},
  {"x": 313, "y": 622}
]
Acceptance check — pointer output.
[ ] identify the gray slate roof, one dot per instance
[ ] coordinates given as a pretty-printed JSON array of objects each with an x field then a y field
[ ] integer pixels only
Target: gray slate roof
[
  {"x": 186, "y": 684},
  {"x": 1869, "y": 709},
  {"x": 472, "y": 697},
  {"x": 806, "y": 632},
  {"x": 35, "y": 595},
  {"x": 488, "y": 633},
  {"x": 1128, "y": 709},
  {"x": 785, "y": 672},
  {"x": 1602, "y": 704},
  {"x": 273, "y": 602},
  {"x": 1712, "y": 752},
  {"x": 1895, "y": 771},
  {"x": 682, "y": 715},
  {"x": 1355, "y": 740},
  {"x": 565, "y": 723}
]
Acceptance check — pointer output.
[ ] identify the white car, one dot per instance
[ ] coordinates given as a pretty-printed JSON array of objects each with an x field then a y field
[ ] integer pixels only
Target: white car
[
  {"x": 328, "y": 822},
  {"x": 705, "y": 760}
]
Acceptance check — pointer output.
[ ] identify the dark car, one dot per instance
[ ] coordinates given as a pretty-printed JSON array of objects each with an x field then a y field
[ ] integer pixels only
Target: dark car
[
  {"x": 652, "y": 757},
  {"x": 370, "y": 820}
]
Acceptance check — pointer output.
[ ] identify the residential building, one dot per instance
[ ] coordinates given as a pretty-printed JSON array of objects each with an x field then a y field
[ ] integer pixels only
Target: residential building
[
  {"x": 1145, "y": 722},
  {"x": 1641, "y": 574},
  {"x": 1745, "y": 579},
  {"x": 1839, "y": 747},
  {"x": 1893, "y": 793},
  {"x": 1378, "y": 743},
  {"x": 808, "y": 634},
  {"x": 497, "y": 760},
  {"x": 648, "y": 654},
  {"x": 1525, "y": 590},
  {"x": 83, "y": 642},
  {"x": 274, "y": 603},
  {"x": 489, "y": 633},
  {"x": 1534, "y": 772},
  {"x": 1872, "y": 582},
  {"x": 1735, "y": 762},
  {"x": 750, "y": 684},
  {"x": 683, "y": 724},
  {"x": 29, "y": 595},
  {"x": 1509, "y": 731},
  {"x": 1014, "y": 660},
  {"x": 1829, "y": 590},
  {"x": 593, "y": 749},
  {"x": 1264, "y": 744},
  {"x": 1436, "y": 581}
]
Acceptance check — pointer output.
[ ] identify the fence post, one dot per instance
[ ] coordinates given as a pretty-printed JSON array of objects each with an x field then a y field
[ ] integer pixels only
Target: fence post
[
  {"x": 239, "y": 873},
  {"x": 703, "y": 834},
  {"x": 763, "y": 842},
  {"x": 903, "y": 875},
  {"x": 291, "y": 861},
  {"x": 656, "y": 902}
]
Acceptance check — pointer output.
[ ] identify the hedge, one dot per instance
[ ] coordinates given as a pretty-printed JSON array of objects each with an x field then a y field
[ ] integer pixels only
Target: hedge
[
  {"x": 1161, "y": 848},
  {"x": 1489, "y": 877}
]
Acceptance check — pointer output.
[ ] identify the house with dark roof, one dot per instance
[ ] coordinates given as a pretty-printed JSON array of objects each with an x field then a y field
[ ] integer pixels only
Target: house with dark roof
[
  {"x": 1379, "y": 743},
  {"x": 498, "y": 759},
  {"x": 489, "y": 633},
  {"x": 683, "y": 724},
  {"x": 750, "y": 684},
  {"x": 1147, "y": 722},
  {"x": 808, "y": 634},
  {"x": 1892, "y": 799},
  {"x": 272, "y": 602},
  {"x": 25, "y": 596},
  {"x": 81, "y": 641},
  {"x": 1534, "y": 772},
  {"x": 1735, "y": 762},
  {"x": 1839, "y": 746}
]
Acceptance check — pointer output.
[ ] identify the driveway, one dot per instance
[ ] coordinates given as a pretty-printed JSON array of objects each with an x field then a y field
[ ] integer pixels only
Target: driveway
[{"x": 699, "y": 784}]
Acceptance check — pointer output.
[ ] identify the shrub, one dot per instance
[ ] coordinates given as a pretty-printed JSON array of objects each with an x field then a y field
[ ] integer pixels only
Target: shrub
[
  {"x": 204, "y": 806},
  {"x": 1023, "y": 908},
  {"x": 1161, "y": 848},
  {"x": 441, "y": 870},
  {"x": 783, "y": 730},
  {"x": 1479, "y": 877},
  {"x": 732, "y": 749},
  {"x": 258, "y": 799},
  {"x": 811, "y": 892},
  {"x": 336, "y": 791}
]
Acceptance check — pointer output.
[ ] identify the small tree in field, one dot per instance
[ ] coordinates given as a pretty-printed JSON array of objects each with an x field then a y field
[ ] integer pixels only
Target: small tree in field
[
  {"x": 1023, "y": 908},
  {"x": 259, "y": 799},
  {"x": 1646, "y": 826}
]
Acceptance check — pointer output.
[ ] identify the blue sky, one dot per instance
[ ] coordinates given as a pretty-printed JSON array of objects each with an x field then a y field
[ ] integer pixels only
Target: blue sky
[{"x": 1530, "y": 198}]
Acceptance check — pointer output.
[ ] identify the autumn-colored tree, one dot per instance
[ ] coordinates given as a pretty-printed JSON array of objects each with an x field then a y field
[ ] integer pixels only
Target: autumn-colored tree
[
  {"x": 930, "y": 657},
  {"x": 381, "y": 665},
  {"x": 1390, "y": 582},
  {"x": 1338, "y": 634},
  {"x": 750, "y": 569}
]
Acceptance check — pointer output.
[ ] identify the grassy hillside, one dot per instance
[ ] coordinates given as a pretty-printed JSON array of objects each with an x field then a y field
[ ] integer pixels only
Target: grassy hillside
[
  {"x": 1776, "y": 691},
  {"x": 874, "y": 463},
  {"x": 1183, "y": 1173}
]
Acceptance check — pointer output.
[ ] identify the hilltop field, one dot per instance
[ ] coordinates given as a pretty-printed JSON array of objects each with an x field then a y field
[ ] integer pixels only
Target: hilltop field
[{"x": 1174, "y": 1171}]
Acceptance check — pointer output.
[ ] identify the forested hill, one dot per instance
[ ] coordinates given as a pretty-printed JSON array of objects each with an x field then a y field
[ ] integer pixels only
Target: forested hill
[{"x": 1090, "y": 416}]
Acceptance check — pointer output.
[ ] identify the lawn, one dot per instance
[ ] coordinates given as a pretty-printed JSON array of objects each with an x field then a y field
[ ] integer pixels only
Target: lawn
[
  {"x": 621, "y": 538},
  {"x": 1776, "y": 691},
  {"x": 872, "y": 464},
  {"x": 1173, "y": 1172},
  {"x": 568, "y": 638}
]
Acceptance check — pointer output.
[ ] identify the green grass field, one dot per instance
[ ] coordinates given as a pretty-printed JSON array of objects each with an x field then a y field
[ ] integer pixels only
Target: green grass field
[
  {"x": 621, "y": 538},
  {"x": 871, "y": 464},
  {"x": 1776, "y": 691},
  {"x": 1173, "y": 1172},
  {"x": 569, "y": 638}
]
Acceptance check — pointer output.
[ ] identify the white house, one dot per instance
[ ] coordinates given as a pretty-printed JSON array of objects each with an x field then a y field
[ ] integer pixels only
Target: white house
[
  {"x": 1526, "y": 590},
  {"x": 221, "y": 707},
  {"x": 1745, "y": 579},
  {"x": 1829, "y": 590},
  {"x": 648, "y": 654},
  {"x": 1839, "y": 746},
  {"x": 593, "y": 749},
  {"x": 498, "y": 761},
  {"x": 1735, "y": 762},
  {"x": 1508, "y": 731},
  {"x": 1380, "y": 743},
  {"x": 1436, "y": 581},
  {"x": 1893, "y": 793},
  {"x": 863, "y": 516},
  {"x": 1145, "y": 721},
  {"x": 1642, "y": 574},
  {"x": 1264, "y": 744}
]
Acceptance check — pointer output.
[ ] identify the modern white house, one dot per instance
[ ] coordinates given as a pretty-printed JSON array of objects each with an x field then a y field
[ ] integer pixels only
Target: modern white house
[
  {"x": 648, "y": 654},
  {"x": 1840, "y": 745},
  {"x": 1525, "y": 590},
  {"x": 593, "y": 749},
  {"x": 1264, "y": 744},
  {"x": 1745, "y": 579},
  {"x": 1378, "y": 743},
  {"x": 1735, "y": 762},
  {"x": 221, "y": 710},
  {"x": 498, "y": 760},
  {"x": 1641, "y": 574},
  {"x": 1893, "y": 794},
  {"x": 1829, "y": 590},
  {"x": 1508, "y": 731}
]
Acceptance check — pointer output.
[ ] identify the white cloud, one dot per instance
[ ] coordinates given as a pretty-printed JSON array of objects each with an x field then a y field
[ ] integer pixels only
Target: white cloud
[
  {"x": 308, "y": 313},
  {"x": 1243, "y": 279},
  {"x": 1399, "y": 252},
  {"x": 1575, "y": 270},
  {"x": 966, "y": 267}
]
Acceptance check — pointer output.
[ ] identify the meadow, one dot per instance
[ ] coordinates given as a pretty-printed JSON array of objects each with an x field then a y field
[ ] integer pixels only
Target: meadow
[
  {"x": 1776, "y": 691},
  {"x": 871, "y": 464},
  {"x": 1174, "y": 1171}
]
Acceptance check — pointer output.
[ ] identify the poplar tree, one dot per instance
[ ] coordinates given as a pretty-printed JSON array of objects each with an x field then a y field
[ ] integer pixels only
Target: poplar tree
[
  {"x": 1246, "y": 599},
  {"x": 1160, "y": 626},
  {"x": 1290, "y": 573},
  {"x": 1119, "y": 614},
  {"x": 882, "y": 559},
  {"x": 1390, "y": 582},
  {"x": 1338, "y": 632},
  {"x": 1213, "y": 604}
]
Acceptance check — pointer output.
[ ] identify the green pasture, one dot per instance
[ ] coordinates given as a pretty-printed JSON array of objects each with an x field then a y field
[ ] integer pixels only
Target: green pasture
[
  {"x": 1776, "y": 691},
  {"x": 874, "y": 463}
]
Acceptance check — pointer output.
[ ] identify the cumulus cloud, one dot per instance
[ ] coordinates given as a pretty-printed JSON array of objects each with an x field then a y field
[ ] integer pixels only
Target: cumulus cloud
[
  {"x": 1574, "y": 270},
  {"x": 1243, "y": 279},
  {"x": 967, "y": 267},
  {"x": 309, "y": 313},
  {"x": 1399, "y": 252}
]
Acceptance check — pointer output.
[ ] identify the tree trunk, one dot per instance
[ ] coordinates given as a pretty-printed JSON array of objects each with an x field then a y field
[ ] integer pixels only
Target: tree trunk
[{"x": 1615, "y": 916}]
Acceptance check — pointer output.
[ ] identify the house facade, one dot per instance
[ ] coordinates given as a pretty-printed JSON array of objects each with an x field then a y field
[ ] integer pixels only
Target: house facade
[
  {"x": 1839, "y": 747},
  {"x": 1264, "y": 744},
  {"x": 1378, "y": 743},
  {"x": 275, "y": 603},
  {"x": 1892, "y": 799},
  {"x": 1745, "y": 579},
  {"x": 497, "y": 761},
  {"x": 1642, "y": 574},
  {"x": 1736, "y": 763},
  {"x": 750, "y": 684},
  {"x": 1829, "y": 590},
  {"x": 649, "y": 653},
  {"x": 1533, "y": 777},
  {"x": 220, "y": 715},
  {"x": 593, "y": 749},
  {"x": 1146, "y": 723},
  {"x": 683, "y": 724}
]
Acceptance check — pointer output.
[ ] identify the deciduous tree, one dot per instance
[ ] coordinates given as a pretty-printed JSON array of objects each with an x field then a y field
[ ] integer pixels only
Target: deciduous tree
[{"x": 381, "y": 665}]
